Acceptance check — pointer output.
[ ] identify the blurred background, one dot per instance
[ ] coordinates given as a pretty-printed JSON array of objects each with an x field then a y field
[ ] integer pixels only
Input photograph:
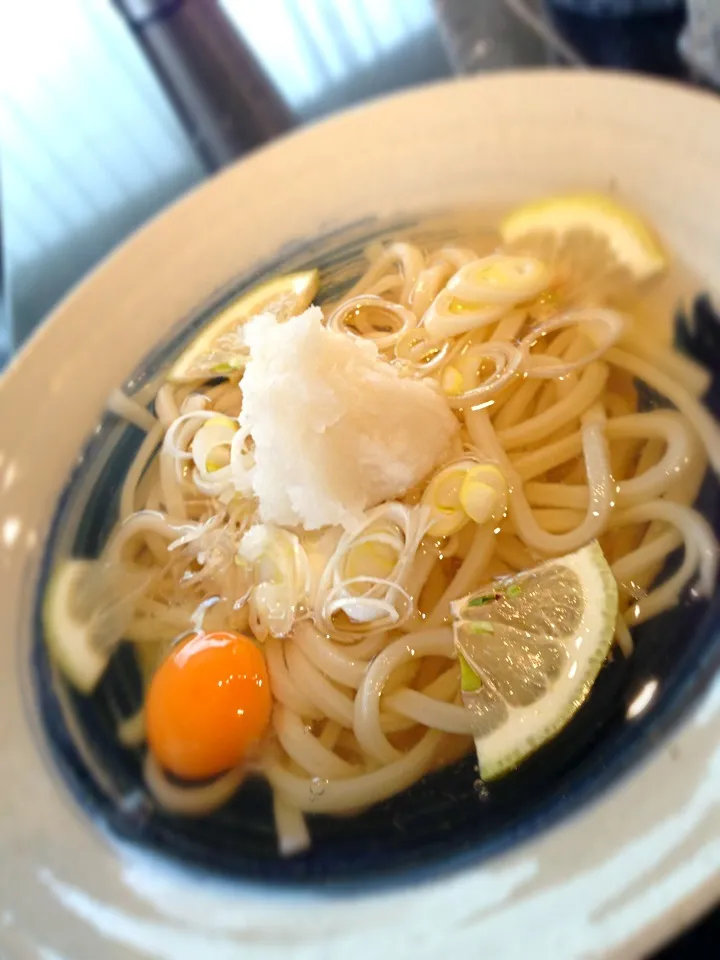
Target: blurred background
[{"x": 110, "y": 109}]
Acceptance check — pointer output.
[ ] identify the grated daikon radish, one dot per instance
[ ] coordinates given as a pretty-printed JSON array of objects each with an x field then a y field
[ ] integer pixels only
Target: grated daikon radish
[{"x": 335, "y": 429}]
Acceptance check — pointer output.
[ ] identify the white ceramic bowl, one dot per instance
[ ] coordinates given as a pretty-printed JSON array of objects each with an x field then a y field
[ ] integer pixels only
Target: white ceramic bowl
[{"x": 615, "y": 879}]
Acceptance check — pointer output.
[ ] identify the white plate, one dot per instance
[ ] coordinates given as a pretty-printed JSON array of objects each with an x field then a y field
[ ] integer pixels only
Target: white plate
[{"x": 616, "y": 879}]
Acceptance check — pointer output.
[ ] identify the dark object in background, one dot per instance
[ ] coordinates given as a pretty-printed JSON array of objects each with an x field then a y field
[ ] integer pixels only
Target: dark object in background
[
  {"x": 489, "y": 35},
  {"x": 700, "y": 42},
  {"x": 225, "y": 100},
  {"x": 625, "y": 34},
  {"x": 697, "y": 333},
  {"x": 4, "y": 297}
]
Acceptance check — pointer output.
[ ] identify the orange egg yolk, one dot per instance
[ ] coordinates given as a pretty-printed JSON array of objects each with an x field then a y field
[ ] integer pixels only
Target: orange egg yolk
[{"x": 207, "y": 705}]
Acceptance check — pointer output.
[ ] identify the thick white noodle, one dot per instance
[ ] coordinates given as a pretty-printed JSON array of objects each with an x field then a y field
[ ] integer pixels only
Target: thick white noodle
[
  {"x": 283, "y": 688},
  {"x": 686, "y": 403},
  {"x": 305, "y": 749},
  {"x": 364, "y": 708},
  {"x": 340, "y": 796},
  {"x": 192, "y": 801},
  {"x": 129, "y": 409},
  {"x": 600, "y": 485},
  {"x": 292, "y": 830},
  {"x": 367, "y": 725},
  {"x": 691, "y": 375},
  {"x": 148, "y": 447}
]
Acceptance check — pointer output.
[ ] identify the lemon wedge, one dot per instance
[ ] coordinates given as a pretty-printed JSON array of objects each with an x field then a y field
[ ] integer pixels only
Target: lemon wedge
[
  {"x": 68, "y": 627},
  {"x": 530, "y": 647},
  {"x": 87, "y": 608},
  {"x": 216, "y": 350},
  {"x": 634, "y": 244}
]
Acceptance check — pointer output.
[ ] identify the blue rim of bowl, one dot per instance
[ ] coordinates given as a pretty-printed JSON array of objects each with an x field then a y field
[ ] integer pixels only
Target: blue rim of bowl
[{"x": 609, "y": 766}]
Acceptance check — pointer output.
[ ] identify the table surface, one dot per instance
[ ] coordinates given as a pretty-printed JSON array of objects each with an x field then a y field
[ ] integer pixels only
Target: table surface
[{"x": 93, "y": 145}]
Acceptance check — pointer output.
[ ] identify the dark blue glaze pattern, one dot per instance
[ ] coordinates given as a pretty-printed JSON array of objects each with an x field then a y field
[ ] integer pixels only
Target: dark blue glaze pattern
[{"x": 442, "y": 823}]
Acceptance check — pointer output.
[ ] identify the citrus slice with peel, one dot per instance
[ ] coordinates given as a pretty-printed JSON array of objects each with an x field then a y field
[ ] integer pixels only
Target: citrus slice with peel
[
  {"x": 633, "y": 243},
  {"x": 530, "y": 647},
  {"x": 218, "y": 349},
  {"x": 86, "y": 609}
]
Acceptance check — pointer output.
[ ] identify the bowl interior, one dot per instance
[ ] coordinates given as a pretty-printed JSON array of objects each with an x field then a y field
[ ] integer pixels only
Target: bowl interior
[{"x": 444, "y": 821}]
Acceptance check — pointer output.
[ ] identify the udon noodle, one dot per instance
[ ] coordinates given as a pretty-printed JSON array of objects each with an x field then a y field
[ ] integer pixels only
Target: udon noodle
[{"x": 549, "y": 383}]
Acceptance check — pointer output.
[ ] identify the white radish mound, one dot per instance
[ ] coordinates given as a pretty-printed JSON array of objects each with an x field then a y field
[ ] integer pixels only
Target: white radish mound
[{"x": 335, "y": 428}]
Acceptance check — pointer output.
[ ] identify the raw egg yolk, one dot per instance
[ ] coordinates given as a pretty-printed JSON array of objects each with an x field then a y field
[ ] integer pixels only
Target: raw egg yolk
[{"x": 208, "y": 704}]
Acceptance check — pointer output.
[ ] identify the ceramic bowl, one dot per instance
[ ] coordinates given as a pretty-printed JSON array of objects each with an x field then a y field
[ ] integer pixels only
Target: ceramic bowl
[{"x": 606, "y": 842}]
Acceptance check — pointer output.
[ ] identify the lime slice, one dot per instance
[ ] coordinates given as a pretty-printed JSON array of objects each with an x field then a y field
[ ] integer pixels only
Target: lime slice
[
  {"x": 530, "y": 648},
  {"x": 634, "y": 244},
  {"x": 86, "y": 609},
  {"x": 217, "y": 351}
]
